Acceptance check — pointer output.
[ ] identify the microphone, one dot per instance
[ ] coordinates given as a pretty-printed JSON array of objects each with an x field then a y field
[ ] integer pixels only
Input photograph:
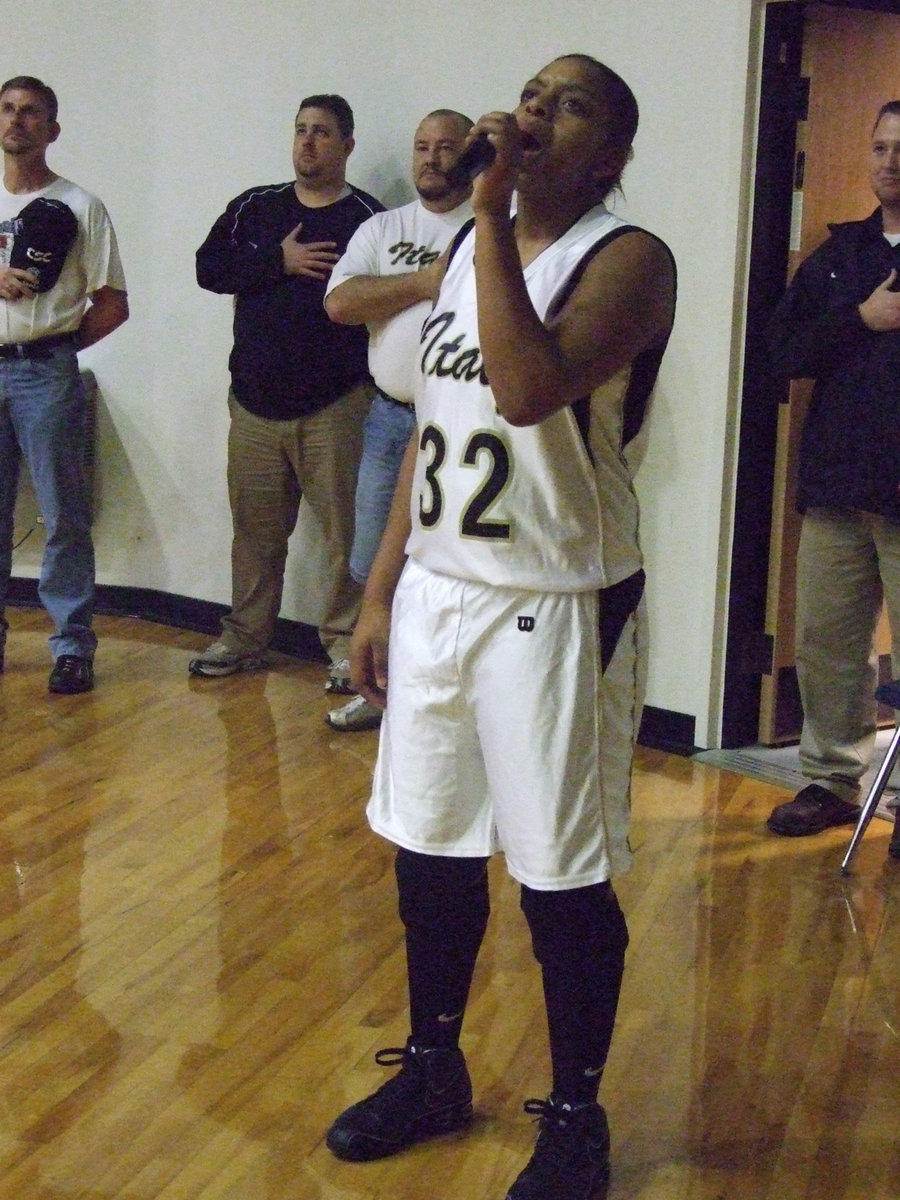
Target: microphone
[{"x": 476, "y": 157}]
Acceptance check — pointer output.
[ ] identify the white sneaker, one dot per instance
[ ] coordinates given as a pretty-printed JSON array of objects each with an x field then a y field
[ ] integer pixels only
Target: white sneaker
[
  {"x": 359, "y": 714},
  {"x": 338, "y": 683},
  {"x": 220, "y": 659}
]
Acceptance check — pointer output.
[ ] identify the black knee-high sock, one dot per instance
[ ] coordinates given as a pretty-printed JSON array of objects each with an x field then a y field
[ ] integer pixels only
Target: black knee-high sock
[
  {"x": 579, "y": 938},
  {"x": 444, "y": 906}
]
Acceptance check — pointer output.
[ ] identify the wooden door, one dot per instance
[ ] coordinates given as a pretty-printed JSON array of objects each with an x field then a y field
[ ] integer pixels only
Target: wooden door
[{"x": 852, "y": 60}]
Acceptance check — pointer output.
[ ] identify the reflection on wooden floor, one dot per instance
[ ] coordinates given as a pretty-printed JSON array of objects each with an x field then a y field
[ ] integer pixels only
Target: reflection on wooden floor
[{"x": 199, "y": 955}]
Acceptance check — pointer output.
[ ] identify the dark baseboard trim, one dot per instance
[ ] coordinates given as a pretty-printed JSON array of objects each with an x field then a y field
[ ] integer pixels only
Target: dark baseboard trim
[
  {"x": 181, "y": 612},
  {"x": 662, "y": 729}
]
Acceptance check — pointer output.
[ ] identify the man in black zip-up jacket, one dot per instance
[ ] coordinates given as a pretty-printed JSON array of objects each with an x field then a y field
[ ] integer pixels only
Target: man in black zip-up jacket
[
  {"x": 839, "y": 324},
  {"x": 300, "y": 386}
]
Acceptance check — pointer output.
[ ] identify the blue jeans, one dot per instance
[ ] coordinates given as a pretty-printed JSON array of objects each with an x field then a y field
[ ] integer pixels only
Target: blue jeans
[
  {"x": 42, "y": 419},
  {"x": 386, "y": 433}
]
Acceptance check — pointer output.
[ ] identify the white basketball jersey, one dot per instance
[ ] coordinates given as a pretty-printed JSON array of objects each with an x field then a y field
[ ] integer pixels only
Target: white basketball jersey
[{"x": 521, "y": 507}]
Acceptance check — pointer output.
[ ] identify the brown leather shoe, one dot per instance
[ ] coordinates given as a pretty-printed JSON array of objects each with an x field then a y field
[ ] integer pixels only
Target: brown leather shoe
[{"x": 813, "y": 809}]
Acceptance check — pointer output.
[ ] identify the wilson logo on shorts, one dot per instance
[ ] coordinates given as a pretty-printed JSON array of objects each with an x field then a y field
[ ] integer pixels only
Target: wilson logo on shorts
[{"x": 526, "y": 624}]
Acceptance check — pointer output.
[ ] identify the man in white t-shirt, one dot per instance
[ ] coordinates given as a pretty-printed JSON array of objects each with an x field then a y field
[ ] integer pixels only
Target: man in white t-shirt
[
  {"x": 384, "y": 281},
  {"x": 61, "y": 289}
]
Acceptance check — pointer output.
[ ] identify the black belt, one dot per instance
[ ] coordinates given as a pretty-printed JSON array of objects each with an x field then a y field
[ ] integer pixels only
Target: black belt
[
  {"x": 391, "y": 400},
  {"x": 39, "y": 348}
]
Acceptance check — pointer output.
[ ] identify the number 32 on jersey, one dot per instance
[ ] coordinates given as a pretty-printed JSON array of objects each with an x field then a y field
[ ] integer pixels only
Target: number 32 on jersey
[{"x": 488, "y": 458}]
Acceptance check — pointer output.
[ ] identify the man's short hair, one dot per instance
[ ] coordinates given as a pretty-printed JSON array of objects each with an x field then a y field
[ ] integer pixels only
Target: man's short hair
[
  {"x": 337, "y": 106},
  {"x": 465, "y": 121},
  {"x": 28, "y": 83},
  {"x": 891, "y": 109}
]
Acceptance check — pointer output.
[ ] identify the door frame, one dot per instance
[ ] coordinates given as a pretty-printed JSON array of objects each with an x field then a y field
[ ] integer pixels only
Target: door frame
[{"x": 748, "y": 652}]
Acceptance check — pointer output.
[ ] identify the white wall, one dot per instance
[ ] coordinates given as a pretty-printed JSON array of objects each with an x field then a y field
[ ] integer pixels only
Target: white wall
[{"x": 171, "y": 107}]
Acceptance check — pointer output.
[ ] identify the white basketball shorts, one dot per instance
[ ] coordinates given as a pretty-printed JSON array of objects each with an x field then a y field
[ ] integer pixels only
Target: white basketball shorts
[{"x": 493, "y": 738}]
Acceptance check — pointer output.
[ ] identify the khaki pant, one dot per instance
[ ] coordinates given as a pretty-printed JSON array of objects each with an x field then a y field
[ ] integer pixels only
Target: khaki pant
[
  {"x": 272, "y": 465},
  {"x": 847, "y": 562}
]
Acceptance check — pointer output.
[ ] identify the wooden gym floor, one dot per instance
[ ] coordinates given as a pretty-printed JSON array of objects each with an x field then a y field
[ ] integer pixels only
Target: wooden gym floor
[{"x": 199, "y": 955}]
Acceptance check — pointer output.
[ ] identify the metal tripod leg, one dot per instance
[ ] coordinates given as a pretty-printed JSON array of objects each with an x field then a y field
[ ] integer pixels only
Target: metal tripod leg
[{"x": 871, "y": 802}]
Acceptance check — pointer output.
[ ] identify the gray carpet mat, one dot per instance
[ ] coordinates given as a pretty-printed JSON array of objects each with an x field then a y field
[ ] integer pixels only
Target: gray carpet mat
[{"x": 780, "y": 765}]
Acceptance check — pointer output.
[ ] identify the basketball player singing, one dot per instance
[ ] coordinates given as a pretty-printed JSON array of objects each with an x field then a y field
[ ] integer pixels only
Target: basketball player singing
[{"x": 503, "y": 623}]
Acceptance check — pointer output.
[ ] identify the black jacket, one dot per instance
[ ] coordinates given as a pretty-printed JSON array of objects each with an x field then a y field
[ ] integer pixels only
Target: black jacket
[
  {"x": 850, "y": 447},
  {"x": 289, "y": 359}
]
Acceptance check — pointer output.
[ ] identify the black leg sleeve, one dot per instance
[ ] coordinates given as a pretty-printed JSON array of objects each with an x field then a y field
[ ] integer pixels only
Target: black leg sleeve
[
  {"x": 579, "y": 938},
  {"x": 444, "y": 907}
]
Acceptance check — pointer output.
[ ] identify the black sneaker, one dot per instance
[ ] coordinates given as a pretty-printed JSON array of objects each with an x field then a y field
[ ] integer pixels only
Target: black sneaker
[
  {"x": 71, "y": 674},
  {"x": 432, "y": 1094},
  {"x": 571, "y": 1157},
  {"x": 813, "y": 809}
]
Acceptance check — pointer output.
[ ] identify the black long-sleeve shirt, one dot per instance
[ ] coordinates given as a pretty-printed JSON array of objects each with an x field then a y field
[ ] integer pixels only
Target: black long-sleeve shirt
[
  {"x": 850, "y": 447},
  {"x": 288, "y": 359}
]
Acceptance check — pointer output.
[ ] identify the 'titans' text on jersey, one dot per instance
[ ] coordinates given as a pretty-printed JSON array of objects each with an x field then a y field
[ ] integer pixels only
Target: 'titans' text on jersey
[{"x": 466, "y": 364}]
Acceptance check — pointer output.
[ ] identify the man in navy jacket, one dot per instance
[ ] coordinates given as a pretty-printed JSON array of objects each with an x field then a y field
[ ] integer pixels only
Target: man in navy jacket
[{"x": 839, "y": 324}]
